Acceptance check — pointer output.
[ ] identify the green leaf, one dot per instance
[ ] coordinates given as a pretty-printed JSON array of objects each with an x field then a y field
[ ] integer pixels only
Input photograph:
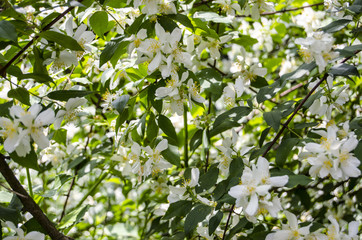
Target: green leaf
[
  {"x": 20, "y": 94},
  {"x": 8, "y": 214},
  {"x": 60, "y": 136},
  {"x": 152, "y": 127},
  {"x": 29, "y": 161},
  {"x": 183, "y": 19},
  {"x": 196, "y": 215},
  {"x": 133, "y": 29},
  {"x": 39, "y": 66},
  {"x": 208, "y": 179},
  {"x": 238, "y": 228},
  {"x": 236, "y": 167},
  {"x": 4, "y": 108},
  {"x": 109, "y": 51},
  {"x": 245, "y": 41},
  {"x": 120, "y": 103},
  {"x": 211, "y": 82},
  {"x": 178, "y": 209},
  {"x": 61, "y": 39},
  {"x": 336, "y": 25},
  {"x": 263, "y": 135},
  {"x": 167, "y": 23},
  {"x": 33, "y": 225},
  {"x": 259, "y": 82},
  {"x": 295, "y": 180},
  {"x": 343, "y": 69},
  {"x": 358, "y": 152},
  {"x": 167, "y": 127},
  {"x": 8, "y": 31},
  {"x": 273, "y": 118},
  {"x": 172, "y": 155},
  {"x": 284, "y": 150},
  {"x": 65, "y": 95},
  {"x": 40, "y": 78},
  {"x": 74, "y": 216},
  {"x": 215, "y": 221},
  {"x": 99, "y": 22},
  {"x": 229, "y": 119},
  {"x": 196, "y": 140}
]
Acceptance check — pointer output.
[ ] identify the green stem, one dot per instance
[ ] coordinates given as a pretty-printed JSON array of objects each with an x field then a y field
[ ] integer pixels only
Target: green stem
[
  {"x": 96, "y": 184},
  {"x": 186, "y": 150},
  {"x": 29, "y": 183}
]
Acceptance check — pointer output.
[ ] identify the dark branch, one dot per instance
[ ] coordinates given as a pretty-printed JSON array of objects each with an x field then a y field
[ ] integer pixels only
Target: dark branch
[{"x": 28, "y": 203}]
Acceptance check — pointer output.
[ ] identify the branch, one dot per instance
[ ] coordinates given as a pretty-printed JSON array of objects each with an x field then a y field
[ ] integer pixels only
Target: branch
[
  {"x": 47, "y": 27},
  {"x": 284, "y": 11},
  {"x": 28, "y": 202}
]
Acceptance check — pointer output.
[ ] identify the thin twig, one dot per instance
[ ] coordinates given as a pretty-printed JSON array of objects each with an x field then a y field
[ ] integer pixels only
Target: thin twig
[
  {"x": 47, "y": 27},
  {"x": 227, "y": 221},
  {"x": 285, "y": 10}
]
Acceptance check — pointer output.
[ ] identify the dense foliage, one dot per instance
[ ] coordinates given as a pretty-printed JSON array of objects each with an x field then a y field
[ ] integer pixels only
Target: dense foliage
[{"x": 163, "y": 119}]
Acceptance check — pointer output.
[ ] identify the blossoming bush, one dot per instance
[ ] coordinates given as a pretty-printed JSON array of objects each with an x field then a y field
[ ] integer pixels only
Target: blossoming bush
[{"x": 193, "y": 119}]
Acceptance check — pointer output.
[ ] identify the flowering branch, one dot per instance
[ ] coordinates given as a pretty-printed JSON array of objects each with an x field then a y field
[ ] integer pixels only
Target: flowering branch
[
  {"x": 47, "y": 27},
  {"x": 28, "y": 202}
]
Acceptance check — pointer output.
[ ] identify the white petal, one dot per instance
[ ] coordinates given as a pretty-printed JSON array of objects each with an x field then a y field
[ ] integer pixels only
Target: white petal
[
  {"x": 40, "y": 138},
  {"x": 292, "y": 219},
  {"x": 279, "y": 181},
  {"x": 45, "y": 118},
  {"x": 163, "y": 145},
  {"x": 253, "y": 205},
  {"x": 155, "y": 63}
]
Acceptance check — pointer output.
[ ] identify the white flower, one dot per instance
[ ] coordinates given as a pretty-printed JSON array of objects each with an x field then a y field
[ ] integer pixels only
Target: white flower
[
  {"x": 34, "y": 121},
  {"x": 255, "y": 183},
  {"x": 136, "y": 40},
  {"x": 20, "y": 233},
  {"x": 229, "y": 6},
  {"x": 64, "y": 60},
  {"x": 348, "y": 162},
  {"x": 10, "y": 132},
  {"x": 318, "y": 46},
  {"x": 156, "y": 162},
  {"x": 194, "y": 90},
  {"x": 69, "y": 111},
  {"x": 291, "y": 231}
]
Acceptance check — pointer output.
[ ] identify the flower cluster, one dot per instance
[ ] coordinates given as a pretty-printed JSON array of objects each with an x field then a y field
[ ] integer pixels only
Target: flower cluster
[
  {"x": 333, "y": 154},
  {"x": 152, "y": 163},
  {"x": 333, "y": 231},
  {"x": 317, "y": 47},
  {"x": 253, "y": 191}
]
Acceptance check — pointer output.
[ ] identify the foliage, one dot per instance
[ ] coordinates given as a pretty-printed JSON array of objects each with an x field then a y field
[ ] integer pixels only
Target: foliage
[{"x": 165, "y": 119}]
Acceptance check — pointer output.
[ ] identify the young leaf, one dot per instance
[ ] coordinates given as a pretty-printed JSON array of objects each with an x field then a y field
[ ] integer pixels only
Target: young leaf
[
  {"x": 61, "y": 39},
  {"x": 20, "y": 94},
  {"x": 120, "y": 103},
  {"x": 73, "y": 217},
  {"x": 99, "y": 22}
]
